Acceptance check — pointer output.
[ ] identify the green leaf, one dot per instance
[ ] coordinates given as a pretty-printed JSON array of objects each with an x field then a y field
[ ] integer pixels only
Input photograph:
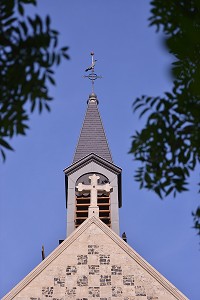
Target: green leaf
[
  {"x": 47, "y": 107},
  {"x": 147, "y": 177},
  {"x": 24, "y": 28},
  {"x": 154, "y": 101},
  {"x": 58, "y": 59},
  {"x": 66, "y": 56},
  {"x": 169, "y": 191},
  {"x": 32, "y": 23},
  {"x": 9, "y": 22},
  {"x": 138, "y": 106},
  {"x": 33, "y": 105},
  {"x": 169, "y": 95},
  {"x": 158, "y": 192},
  {"x": 143, "y": 112},
  {"x": 38, "y": 22},
  {"x": 40, "y": 106},
  {"x": 51, "y": 79},
  {"x": 32, "y": 50},
  {"x": 5, "y": 145},
  {"x": 20, "y": 9},
  {"x": 3, "y": 155},
  {"x": 136, "y": 101},
  {"x": 48, "y": 21},
  {"x": 63, "y": 49}
]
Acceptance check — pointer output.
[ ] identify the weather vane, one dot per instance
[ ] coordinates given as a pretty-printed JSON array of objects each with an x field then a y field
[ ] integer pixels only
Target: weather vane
[{"x": 92, "y": 76}]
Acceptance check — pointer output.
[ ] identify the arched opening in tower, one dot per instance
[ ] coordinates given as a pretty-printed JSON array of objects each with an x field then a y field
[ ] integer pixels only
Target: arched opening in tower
[{"x": 83, "y": 201}]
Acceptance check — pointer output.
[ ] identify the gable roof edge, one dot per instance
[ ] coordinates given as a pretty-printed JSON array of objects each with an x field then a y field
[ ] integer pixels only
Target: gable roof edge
[
  {"x": 53, "y": 255},
  {"x": 142, "y": 262},
  {"x": 74, "y": 235},
  {"x": 92, "y": 157}
]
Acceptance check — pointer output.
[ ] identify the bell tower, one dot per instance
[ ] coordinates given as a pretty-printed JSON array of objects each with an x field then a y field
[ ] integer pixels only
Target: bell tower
[{"x": 93, "y": 182}]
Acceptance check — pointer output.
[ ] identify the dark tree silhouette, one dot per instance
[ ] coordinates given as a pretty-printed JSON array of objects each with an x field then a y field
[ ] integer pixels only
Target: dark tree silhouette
[
  {"x": 168, "y": 147},
  {"x": 28, "y": 52}
]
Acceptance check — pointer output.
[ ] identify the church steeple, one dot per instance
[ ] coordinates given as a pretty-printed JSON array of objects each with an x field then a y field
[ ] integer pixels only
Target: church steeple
[
  {"x": 93, "y": 182},
  {"x": 92, "y": 137}
]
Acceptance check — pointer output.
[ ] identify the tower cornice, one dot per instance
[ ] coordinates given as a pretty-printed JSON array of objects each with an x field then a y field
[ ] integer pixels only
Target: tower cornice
[{"x": 92, "y": 157}]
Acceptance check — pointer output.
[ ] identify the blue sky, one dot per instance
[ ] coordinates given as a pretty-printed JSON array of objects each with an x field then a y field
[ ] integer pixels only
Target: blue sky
[{"x": 132, "y": 61}]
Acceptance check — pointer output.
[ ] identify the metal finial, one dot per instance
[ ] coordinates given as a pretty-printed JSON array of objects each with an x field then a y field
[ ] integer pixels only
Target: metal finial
[
  {"x": 92, "y": 76},
  {"x": 43, "y": 253},
  {"x": 124, "y": 237}
]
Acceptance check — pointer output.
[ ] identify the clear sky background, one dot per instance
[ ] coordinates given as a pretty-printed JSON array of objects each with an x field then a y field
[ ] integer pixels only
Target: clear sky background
[{"x": 132, "y": 61}]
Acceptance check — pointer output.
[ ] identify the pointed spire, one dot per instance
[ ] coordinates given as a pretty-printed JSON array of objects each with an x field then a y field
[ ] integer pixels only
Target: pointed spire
[{"x": 92, "y": 137}]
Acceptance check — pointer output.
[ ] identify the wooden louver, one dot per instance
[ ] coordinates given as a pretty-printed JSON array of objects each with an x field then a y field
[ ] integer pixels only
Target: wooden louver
[{"x": 83, "y": 202}]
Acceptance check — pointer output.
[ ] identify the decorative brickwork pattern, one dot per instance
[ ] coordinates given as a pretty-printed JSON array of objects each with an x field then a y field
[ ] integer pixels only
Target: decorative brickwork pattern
[
  {"x": 71, "y": 270},
  {"x": 93, "y": 249},
  {"x": 82, "y": 281},
  {"x": 47, "y": 291},
  {"x": 104, "y": 259},
  {"x": 59, "y": 281},
  {"x": 105, "y": 280},
  {"x": 140, "y": 290},
  {"x": 93, "y": 269},
  {"x": 82, "y": 259},
  {"x": 128, "y": 280},
  {"x": 116, "y": 270},
  {"x": 94, "y": 291},
  {"x": 70, "y": 292},
  {"x": 116, "y": 291}
]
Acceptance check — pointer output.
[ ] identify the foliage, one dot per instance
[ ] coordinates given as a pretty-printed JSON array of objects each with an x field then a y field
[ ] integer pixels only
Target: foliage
[
  {"x": 169, "y": 145},
  {"x": 28, "y": 53}
]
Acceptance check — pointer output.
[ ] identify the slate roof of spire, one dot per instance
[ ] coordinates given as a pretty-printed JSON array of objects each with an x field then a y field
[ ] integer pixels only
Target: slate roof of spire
[{"x": 92, "y": 137}]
